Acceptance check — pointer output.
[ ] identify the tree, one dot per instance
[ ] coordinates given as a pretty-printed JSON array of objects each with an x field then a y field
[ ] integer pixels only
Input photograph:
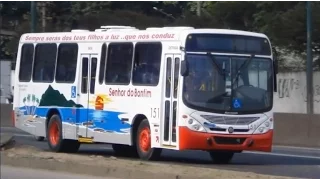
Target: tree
[
  {"x": 10, "y": 16},
  {"x": 283, "y": 22}
]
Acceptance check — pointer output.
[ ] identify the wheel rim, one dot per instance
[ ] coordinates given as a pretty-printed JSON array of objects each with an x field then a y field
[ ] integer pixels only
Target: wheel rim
[
  {"x": 54, "y": 133},
  {"x": 145, "y": 140}
]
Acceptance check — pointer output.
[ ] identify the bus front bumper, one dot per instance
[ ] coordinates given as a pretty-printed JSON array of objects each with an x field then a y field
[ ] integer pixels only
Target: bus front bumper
[{"x": 191, "y": 140}]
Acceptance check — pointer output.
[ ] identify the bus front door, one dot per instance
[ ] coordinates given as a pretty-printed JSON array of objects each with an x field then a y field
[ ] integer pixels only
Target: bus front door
[
  {"x": 169, "y": 123},
  {"x": 87, "y": 97}
]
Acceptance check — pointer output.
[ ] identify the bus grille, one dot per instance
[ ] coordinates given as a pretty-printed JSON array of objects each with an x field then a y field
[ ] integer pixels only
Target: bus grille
[{"x": 230, "y": 120}]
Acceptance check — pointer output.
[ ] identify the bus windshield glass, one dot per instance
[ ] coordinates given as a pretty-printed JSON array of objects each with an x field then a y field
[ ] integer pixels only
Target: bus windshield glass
[{"x": 228, "y": 83}]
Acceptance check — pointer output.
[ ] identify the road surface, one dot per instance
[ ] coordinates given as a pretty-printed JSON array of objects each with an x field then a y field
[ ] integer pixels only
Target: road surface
[
  {"x": 9, "y": 172},
  {"x": 282, "y": 161}
]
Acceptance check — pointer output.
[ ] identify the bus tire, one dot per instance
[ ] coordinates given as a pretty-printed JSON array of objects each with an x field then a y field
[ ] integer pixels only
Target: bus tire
[
  {"x": 55, "y": 139},
  {"x": 221, "y": 157},
  {"x": 143, "y": 142},
  {"x": 39, "y": 138},
  {"x": 125, "y": 150}
]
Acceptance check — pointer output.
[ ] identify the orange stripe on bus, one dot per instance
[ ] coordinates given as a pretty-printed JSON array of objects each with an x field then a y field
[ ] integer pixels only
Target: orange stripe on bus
[{"x": 199, "y": 141}]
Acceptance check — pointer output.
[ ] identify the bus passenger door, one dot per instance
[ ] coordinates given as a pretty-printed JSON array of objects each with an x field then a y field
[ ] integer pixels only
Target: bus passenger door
[
  {"x": 169, "y": 130},
  {"x": 87, "y": 93}
]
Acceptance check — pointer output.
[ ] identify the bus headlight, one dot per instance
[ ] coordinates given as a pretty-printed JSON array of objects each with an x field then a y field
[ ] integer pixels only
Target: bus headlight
[
  {"x": 195, "y": 125},
  {"x": 263, "y": 128}
]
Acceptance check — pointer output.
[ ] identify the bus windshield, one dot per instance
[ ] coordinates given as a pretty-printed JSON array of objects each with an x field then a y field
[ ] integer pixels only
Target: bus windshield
[{"x": 228, "y": 83}]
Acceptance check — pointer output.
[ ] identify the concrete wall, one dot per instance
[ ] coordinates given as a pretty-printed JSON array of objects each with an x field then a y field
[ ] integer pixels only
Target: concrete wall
[
  {"x": 292, "y": 97},
  {"x": 290, "y": 129},
  {"x": 5, "y": 114},
  {"x": 293, "y": 129},
  {"x": 5, "y": 80}
]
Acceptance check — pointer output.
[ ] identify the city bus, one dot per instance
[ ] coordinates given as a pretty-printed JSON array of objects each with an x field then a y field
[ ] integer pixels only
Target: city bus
[{"x": 142, "y": 91}]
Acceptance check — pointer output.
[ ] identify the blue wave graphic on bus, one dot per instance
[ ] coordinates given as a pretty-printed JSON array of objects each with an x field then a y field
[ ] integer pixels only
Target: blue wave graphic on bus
[{"x": 94, "y": 119}]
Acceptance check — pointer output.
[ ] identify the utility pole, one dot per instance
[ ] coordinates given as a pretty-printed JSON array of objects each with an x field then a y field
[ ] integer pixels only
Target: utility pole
[
  {"x": 33, "y": 11},
  {"x": 199, "y": 8},
  {"x": 309, "y": 61}
]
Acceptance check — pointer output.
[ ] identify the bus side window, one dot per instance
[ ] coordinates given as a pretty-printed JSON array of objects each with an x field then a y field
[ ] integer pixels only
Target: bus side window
[
  {"x": 176, "y": 76},
  {"x": 93, "y": 74},
  {"x": 102, "y": 63},
  {"x": 25, "y": 67},
  {"x": 44, "y": 62},
  {"x": 67, "y": 63},
  {"x": 119, "y": 63},
  {"x": 146, "y": 70}
]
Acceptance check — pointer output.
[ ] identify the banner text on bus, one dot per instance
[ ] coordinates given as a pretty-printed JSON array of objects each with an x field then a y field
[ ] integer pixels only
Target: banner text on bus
[{"x": 95, "y": 37}]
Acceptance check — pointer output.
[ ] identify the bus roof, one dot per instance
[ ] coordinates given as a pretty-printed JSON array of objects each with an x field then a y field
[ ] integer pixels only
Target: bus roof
[{"x": 126, "y": 33}]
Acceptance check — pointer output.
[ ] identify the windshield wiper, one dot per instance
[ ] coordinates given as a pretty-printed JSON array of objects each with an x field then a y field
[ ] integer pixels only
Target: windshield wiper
[
  {"x": 213, "y": 59},
  {"x": 243, "y": 65},
  {"x": 235, "y": 80}
]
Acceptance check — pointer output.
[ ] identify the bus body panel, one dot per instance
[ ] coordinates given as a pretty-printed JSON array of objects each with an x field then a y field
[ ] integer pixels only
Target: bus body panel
[{"x": 107, "y": 114}]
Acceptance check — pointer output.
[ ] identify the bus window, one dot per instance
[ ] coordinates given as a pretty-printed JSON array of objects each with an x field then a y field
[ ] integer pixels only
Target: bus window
[
  {"x": 84, "y": 76},
  {"x": 146, "y": 68},
  {"x": 44, "y": 62},
  {"x": 102, "y": 63},
  {"x": 93, "y": 74},
  {"x": 25, "y": 66},
  {"x": 176, "y": 76},
  {"x": 67, "y": 63},
  {"x": 119, "y": 63},
  {"x": 168, "y": 77},
  {"x": 166, "y": 120}
]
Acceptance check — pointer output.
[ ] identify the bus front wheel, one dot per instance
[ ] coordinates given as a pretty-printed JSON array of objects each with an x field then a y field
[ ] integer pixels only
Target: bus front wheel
[
  {"x": 143, "y": 142},
  {"x": 221, "y": 157}
]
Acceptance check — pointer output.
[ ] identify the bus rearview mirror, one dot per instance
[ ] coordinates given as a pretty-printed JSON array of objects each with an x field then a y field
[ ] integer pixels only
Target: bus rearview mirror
[
  {"x": 275, "y": 69},
  {"x": 275, "y": 60}
]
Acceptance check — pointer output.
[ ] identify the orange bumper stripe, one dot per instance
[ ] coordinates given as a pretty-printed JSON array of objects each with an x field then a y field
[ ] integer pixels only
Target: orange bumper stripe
[{"x": 199, "y": 141}]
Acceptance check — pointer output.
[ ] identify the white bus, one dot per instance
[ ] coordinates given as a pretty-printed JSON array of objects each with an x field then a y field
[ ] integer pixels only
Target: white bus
[{"x": 142, "y": 91}]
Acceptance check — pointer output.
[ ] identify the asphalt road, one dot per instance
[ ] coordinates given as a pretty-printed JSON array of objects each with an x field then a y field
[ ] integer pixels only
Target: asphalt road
[
  {"x": 282, "y": 161},
  {"x": 9, "y": 172}
]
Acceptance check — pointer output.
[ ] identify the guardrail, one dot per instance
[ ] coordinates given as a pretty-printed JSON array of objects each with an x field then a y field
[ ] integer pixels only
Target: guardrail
[{"x": 290, "y": 129}]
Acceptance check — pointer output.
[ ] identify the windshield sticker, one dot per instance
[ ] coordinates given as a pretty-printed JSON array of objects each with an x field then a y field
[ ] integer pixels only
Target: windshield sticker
[{"x": 237, "y": 103}]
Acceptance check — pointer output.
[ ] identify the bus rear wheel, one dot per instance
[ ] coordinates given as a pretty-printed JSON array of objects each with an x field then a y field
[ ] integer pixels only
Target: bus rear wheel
[
  {"x": 143, "y": 142},
  {"x": 55, "y": 139},
  {"x": 221, "y": 157}
]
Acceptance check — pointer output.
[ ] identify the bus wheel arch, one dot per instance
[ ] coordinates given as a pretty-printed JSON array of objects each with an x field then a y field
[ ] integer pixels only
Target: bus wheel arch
[
  {"x": 54, "y": 123},
  {"x": 50, "y": 113},
  {"x": 127, "y": 150},
  {"x": 135, "y": 125}
]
